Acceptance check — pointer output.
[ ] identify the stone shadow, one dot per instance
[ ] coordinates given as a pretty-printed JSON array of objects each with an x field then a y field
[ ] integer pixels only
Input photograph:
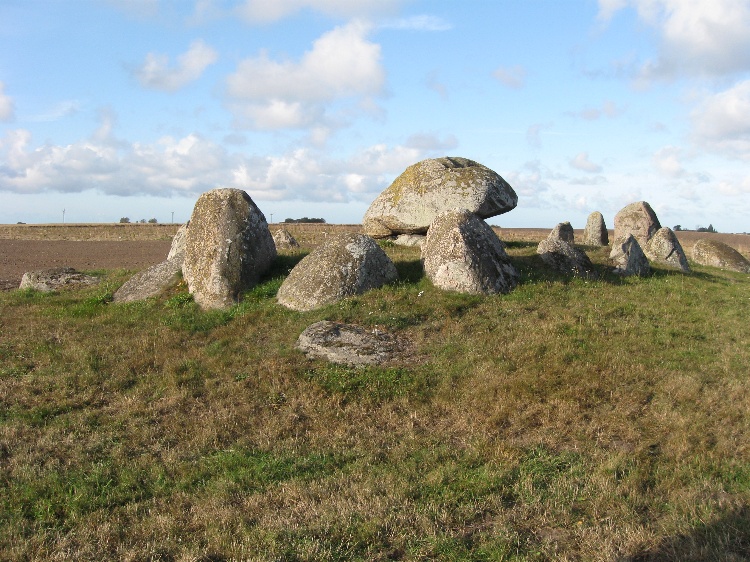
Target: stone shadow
[{"x": 726, "y": 539}]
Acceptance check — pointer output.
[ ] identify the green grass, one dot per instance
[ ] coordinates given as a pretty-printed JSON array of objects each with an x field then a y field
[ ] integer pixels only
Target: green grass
[{"x": 567, "y": 420}]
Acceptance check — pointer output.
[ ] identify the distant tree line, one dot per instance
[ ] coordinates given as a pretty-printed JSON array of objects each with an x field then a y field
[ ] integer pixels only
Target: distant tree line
[
  {"x": 304, "y": 219},
  {"x": 126, "y": 220},
  {"x": 709, "y": 228}
]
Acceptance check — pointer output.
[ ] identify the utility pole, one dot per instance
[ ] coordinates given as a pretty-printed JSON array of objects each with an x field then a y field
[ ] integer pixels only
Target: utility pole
[
  {"x": 172, "y": 217},
  {"x": 63, "y": 216},
  {"x": 271, "y": 218}
]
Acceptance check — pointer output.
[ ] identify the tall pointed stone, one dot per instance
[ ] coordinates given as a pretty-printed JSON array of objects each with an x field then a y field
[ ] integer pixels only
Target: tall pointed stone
[
  {"x": 629, "y": 259},
  {"x": 595, "y": 233},
  {"x": 665, "y": 248},
  {"x": 228, "y": 246},
  {"x": 462, "y": 253}
]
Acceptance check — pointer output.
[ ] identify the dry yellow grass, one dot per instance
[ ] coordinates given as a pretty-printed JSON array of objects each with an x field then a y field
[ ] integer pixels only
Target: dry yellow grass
[{"x": 568, "y": 420}]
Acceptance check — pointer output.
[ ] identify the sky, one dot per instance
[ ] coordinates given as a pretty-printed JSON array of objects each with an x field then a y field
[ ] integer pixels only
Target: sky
[{"x": 133, "y": 108}]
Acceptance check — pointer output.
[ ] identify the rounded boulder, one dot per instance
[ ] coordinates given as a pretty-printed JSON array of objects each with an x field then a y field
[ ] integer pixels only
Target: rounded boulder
[{"x": 345, "y": 265}]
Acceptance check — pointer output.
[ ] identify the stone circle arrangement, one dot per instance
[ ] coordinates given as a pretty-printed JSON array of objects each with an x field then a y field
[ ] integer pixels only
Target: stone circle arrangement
[{"x": 439, "y": 205}]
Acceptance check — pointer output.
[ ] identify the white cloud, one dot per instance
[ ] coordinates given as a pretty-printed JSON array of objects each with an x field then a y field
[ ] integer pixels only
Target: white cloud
[
  {"x": 667, "y": 161},
  {"x": 582, "y": 162},
  {"x": 534, "y": 134},
  {"x": 191, "y": 164},
  {"x": 531, "y": 183},
  {"x": 60, "y": 110},
  {"x": 722, "y": 121},
  {"x": 512, "y": 77},
  {"x": 269, "y": 94},
  {"x": 140, "y": 9},
  {"x": 156, "y": 72},
  {"x": 7, "y": 110},
  {"x": 608, "y": 109},
  {"x": 697, "y": 37},
  {"x": 607, "y": 8},
  {"x": 422, "y": 22},
  {"x": 433, "y": 83},
  {"x": 431, "y": 142},
  {"x": 265, "y": 11}
]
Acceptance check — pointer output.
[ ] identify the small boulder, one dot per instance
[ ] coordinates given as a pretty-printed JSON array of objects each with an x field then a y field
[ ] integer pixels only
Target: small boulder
[
  {"x": 664, "y": 248},
  {"x": 462, "y": 253},
  {"x": 629, "y": 259},
  {"x": 427, "y": 188},
  {"x": 284, "y": 240},
  {"x": 563, "y": 231},
  {"x": 48, "y": 280},
  {"x": 344, "y": 265},
  {"x": 409, "y": 240},
  {"x": 638, "y": 219},
  {"x": 150, "y": 282},
  {"x": 349, "y": 344},
  {"x": 565, "y": 258},
  {"x": 717, "y": 254},
  {"x": 228, "y": 247},
  {"x": 595, "y": 233}
]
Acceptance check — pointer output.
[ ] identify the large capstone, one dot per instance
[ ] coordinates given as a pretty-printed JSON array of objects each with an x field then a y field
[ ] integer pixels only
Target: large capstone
[
  {"x": 427, "y": 188},
  {"x": 664, "y": 248},
  {"x": 228, "y": 247},
  {"x": 565, "y": 258},
  {"x": 638, "y": 219},
  {"x": 344, "y": 265},
  {"x": 595, "y": 233},
  {"x": 628, "y": 258},
  {"x": 462, "y": 253},
  {"x": 717, "y": 254}
]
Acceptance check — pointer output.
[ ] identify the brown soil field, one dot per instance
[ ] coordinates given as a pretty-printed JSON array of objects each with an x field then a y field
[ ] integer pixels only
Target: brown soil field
[{"x": 89, "y": 247}]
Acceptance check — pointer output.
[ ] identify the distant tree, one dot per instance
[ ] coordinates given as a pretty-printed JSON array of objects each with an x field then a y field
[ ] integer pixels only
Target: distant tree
[
  {"x": 677, "y": 227},
  {"x": 709, "y": 228},
  {"x": 305, "y": 220},
  {"x": 142, "y": 221},
  {"x": 124, "y": 220},
  {"x": 152, "y": 221}
]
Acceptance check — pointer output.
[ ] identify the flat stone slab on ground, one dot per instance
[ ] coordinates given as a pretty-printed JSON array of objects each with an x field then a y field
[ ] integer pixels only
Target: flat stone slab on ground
[
  {"x": 149, "y": 282},
  {"x": 48, "y": 280},
  {"x": 350, "y": 344}
]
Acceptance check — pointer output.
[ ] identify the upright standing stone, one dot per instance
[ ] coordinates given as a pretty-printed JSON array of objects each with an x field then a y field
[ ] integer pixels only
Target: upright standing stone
[
  {"x": 664, "y": 248},
  {"x": 638, "y": 219},
  {"x": 629, "y": 259},
  {"x": 565, "y": 258},
  {"x": 563, "y": 231},
  {"x": 284, "y": 240},
  {"x": 462, "y": 253},
  {"x": 227, "y": 248},
  {"x": 595, "y": 233},
  {"x": 427, "y": 188}
]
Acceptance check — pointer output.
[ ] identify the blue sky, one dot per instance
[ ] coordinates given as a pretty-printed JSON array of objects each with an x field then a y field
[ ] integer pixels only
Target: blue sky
[{"x": 115, "y": 108}]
